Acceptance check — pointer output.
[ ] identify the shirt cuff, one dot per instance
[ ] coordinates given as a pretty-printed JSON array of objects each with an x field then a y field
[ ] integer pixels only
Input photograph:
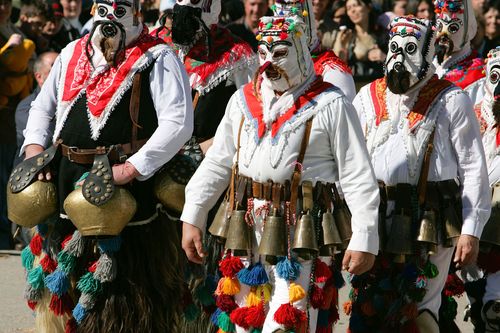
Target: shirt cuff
[
  {"x": 364, "y": 242},
  {"x": 138, "y": 162},
  {"x": 472, "y": 228},
  {"x": 194, "y": 215}
]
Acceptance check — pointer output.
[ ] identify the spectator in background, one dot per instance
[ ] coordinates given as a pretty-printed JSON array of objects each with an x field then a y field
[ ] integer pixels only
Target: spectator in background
[
  {"x": 339, "y": 13},
  {"x": 33, "y": 18},
  {"x": 422, "y": 9},
  {"x": 231, "y": 11},
  {"x": 54, "y": 29},
  {"x": 478, "y": 5},
  {"x": 491, "y": 13},
  {"x": 254, "y": 10},
  {"x": 395, "y": 8},
  {"x": 71, "y": 11},
  {"x": 329, "y": 27}
]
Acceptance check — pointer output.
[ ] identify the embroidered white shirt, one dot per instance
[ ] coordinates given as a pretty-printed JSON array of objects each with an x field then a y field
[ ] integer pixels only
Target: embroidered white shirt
[{"x": 336, "y": 152}]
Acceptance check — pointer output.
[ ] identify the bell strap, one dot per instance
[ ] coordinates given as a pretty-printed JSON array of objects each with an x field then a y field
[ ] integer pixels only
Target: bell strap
[
  {"x": 234, "y": 172},
  {"x": 424, "y": 172},
  {"x": 135, "y": 101},
  {"x": 98, "y": 187}
]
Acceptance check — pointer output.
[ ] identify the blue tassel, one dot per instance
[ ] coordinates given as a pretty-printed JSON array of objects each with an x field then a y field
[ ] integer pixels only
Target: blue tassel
[
  {"x": 110, "y": 245},
  {"x": 243, "y": 276},
  {"x": 57, "y": 282},
  {"x": 214, "y": 318},
  {"x": 257, "y": 275},
  {"x": 323, "y": 318},
  {"x": 42, "y": 229},
  {"x": 79, "y": 313},
  {"x": 288, "y": 269},
  {"x": 338, "y": 279},
  {"x": 27, "y": 258}
]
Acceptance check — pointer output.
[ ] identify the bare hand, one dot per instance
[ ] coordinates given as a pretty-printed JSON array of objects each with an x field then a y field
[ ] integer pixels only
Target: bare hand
[
  {"x": 33, "y": 150},
  {"x": 14, "y": 40},
  {"x": 192, "y": 243},
  {"x": 205, "y": 145},
  {"x": 345, "y": 37},
  {"x": 467, "y": 250},
  {"x": 357, "y": 262},
  {"x": 124, "y": 173}
]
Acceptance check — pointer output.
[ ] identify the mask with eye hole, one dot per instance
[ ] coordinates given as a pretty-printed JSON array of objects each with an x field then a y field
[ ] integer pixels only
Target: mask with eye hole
[
  {"x": 192, "y": 20},
  {"x": 116, "y": 25},
  {"x": 456, "y": 27},
  {"x": 284, "y": 57},
  {"x": 492, "y": 84},
  {"x": 409, "y": 59}
]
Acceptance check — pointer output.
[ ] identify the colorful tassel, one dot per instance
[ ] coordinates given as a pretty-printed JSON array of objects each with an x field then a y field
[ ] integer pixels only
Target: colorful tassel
[
  {"x": 32, "y": 305},
  {"x": 204, "y": 294},
  {"x": 230, "y": 286},
  {"x": 75, "y": 245},
  {"x": 66, "y": 262},
  {"x": 110, "y": 245},
  {"x": 48, "y": 264},
  {"x": 35, "y": 277},
  {"x": 453, "y": 286},
  {"x": 430, "y": 270},
  {"x": 322, "y": 271},
  {"x": 230, "y": 266},
  {"x": 36, "y": 245},
  {"x": 288, "y": 269},
  {"x": 79, "y": 313},
  {"x": 328, "y": 294},
  {"x": 289, "y": 316},
  {"x": 317, "y": 297},
  {"x": 32, "y": 294},
  {"x": 253, "y": 299},
  {"x": 296, "y": 292},
  {"x": 226, "y": 303},
  {"x": 347, "y": 308},
  {"x": 70, "y": 326},
  {"x": 88, "y": 284},
  {"x": 27, "y": 258},
  {"x": 256, "y": 316},
  {"x": 239, "y": 317},
  {"x": 57, "y": 282},
  {"x": 224, "y": 322},
  {"x": 105, "y": 269},
  {"x": 214, "y": 318},
  {"x": 61, "y": 305},
  {"x": 254, "y": 276}
]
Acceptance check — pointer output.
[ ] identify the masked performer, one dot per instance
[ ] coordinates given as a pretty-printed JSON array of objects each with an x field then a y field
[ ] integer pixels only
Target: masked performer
[
  {"x": 285, "y": 139},
  {"x": 421, "y": 134},
  {"x": 455, "y": 61},
  {"x": 122, "y": 108},
  {"x": 326, "y": 63}
]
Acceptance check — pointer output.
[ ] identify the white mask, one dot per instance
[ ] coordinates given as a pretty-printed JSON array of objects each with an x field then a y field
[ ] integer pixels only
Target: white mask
[
  {"x": 210, "y": 9},
  {"x": 409, "y": 58},
  {"x": 492, "y": 84},
  {"x": 456, "y": 26},
  {"x": 302, "y": 9},
  {"x": 284, "y": 57}
]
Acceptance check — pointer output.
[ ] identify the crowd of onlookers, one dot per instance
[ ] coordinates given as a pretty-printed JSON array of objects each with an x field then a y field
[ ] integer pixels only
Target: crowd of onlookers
[{"x": 33, "y": 32}]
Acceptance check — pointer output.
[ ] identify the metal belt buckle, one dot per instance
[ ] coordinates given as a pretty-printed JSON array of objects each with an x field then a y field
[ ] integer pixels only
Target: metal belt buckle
[{"x": 71, "y": 149}]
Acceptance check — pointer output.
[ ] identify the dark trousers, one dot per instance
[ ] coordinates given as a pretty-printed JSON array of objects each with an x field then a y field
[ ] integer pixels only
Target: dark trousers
[{"x": 7, "y": 152}]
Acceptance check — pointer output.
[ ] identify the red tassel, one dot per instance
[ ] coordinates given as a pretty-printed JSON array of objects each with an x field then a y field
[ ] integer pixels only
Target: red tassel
[
  {"x": 93, "y": 267},
  {"x": 348, "y": 308},
  {"x": 317, "y": 297},
  {"x": 32, "y": 305},
  {"x": 410, "y": 327},
  {"x": 453, "y": 286},
  {"x": 66, "y": 240},
  {"x": 289, "y": 316},
  {"x": 322, "y": 271},
  {"x": 328, "y": 297},
  {"x": 256, "y": 316},
  {"x": 70, "y": 326},
  {"x": 239, "y": 317},
  {"x": 324, "y": 329},
  {"x": 230, "y": 266},
  {"x": 36, "y": 245},
  {"x": 61, "y": 305},
  {"x": 226, "y": 303},
  {"x": 48, "y": 264}
]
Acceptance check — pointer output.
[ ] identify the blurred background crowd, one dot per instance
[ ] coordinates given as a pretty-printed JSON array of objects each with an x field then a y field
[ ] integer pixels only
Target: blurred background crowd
[{"x": 33, "y": 32}]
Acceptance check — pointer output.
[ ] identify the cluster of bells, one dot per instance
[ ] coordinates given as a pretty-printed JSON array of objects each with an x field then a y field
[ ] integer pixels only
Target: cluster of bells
[{"x": 237, "y": 234}]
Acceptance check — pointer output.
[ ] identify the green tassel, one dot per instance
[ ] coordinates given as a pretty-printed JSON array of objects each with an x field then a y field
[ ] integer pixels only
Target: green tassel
[
  {"x": 204, "y": 295},
  {"x": 225, "y": 323},
  {"x": 89, "y": 285},
  {"x": 191, "y": 312},
  {"x": 256, "y": 330},
  {"x": 431, "y": 270},
  {"x": 27, "y": 258},
  {"x": 35, "y": 277},
  {"x": 269, "y": 25},
  {"x": 66, "y": 262}
]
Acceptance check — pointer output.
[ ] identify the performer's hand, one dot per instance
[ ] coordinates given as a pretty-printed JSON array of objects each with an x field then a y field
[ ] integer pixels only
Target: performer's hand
[
  {"x": 124, "y": 173},
  {"x": 205, "y": 145},
  {"x": 33, "y": 150},
  {"x": 357, "y": 262},
  {"x": 192, "y": 243},
  {"x": 467, "y": 250}
]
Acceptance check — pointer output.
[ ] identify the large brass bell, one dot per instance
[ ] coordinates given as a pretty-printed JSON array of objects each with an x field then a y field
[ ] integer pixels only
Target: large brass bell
[
  {"x": 33, "y": 205},
  {"x": 304, "y": 239},
  {"x": 427, "y": 232},
  {"x": 343, "y": 222},
  {"x": 220, "y": 223},
  {"x": 452, "y": 226},
  {"x": 108, "y": 219},
  {"x": 239, "y": 238},
  {"x": 331, "y": 235},
  {"x": 273, "y": 241},
  {"x": 400, "y": 242}
]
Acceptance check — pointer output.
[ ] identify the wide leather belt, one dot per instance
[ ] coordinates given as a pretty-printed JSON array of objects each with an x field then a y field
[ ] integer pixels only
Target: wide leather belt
[
  {"x": 116, "y": 153},
  {"x": 394, "y": 192}
]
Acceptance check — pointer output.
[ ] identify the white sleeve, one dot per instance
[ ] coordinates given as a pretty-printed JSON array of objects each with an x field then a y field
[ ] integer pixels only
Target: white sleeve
[
  {"x": 171, "y": 96},
  {"x": 356, "y": 177},
  {"x": 342, "y": 80},
  {"x": 39, "y": 129},
  {"x": 466, "y": 141},
  {"x": 213, "y": 175},
  {"x": 358, "y": 106}
]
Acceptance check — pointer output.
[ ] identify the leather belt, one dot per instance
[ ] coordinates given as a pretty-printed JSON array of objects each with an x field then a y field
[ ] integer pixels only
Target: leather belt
[
  {"x": 394, "y": 192},
  {"x": 116, "y": 153}
]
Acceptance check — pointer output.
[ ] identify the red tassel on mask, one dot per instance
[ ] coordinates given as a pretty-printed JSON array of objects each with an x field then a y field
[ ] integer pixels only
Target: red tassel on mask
[
  {"x": 48, "y": 264},
  {"x": 36, "y": 245},
  {"x": 317, "y": 297},
  {"x": 322, "y": 271},
  {"x": 289, "y": 316},
  {"x": 226, "y": 303},
  {"x": 230, "y": 266},
  {"x": 256, "y": 316},
  {"x": 239, "y": 317}
]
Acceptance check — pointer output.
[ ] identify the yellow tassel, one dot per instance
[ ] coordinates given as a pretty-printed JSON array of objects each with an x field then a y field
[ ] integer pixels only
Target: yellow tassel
[
  {"x": 264, "y": 290},
  {"x": 258, "y": 37},
  {"x": 305, "y": 13},
  {"x": 259, "y": 294},
  {"x": 252, "y": 298},
  {"x": 218, "y": 290},
  {"x": 230, "y": 286},
  {"x": 296, "y": 292}
]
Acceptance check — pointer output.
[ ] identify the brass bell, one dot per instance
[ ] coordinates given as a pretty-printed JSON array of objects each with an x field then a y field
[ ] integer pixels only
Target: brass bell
[
  {"x": 427, "y": 232},
  {"x": 452, "y": 227},
  {"x": 108, "y": 219},
  {"x": 331, "y": 235},
  {"x": 239, "y": 238},
  {"x": 169, "y": 192},
  {"x": 491, "y": 231},
  {"x": 220, "y": 223},
  {"x": 33, "y": 205},
  {"x": 343, "y": 222},
  {"x": 273, "y": 241},
  {"x": 304, "y": 239},
  {"x": 400, "y": 242}
]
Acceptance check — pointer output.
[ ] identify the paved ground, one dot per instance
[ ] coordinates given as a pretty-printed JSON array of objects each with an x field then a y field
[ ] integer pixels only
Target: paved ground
[{"x": 15, "y": 316}]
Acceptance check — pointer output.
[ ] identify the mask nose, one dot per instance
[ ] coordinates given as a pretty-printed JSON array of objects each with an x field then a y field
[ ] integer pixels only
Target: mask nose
[
  {"x": 110, "y": 17},
  {"x": 399, "y": 67}
]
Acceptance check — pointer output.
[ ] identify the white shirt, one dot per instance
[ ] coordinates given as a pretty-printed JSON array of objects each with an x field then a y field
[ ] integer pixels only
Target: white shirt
[
  {"x": 458, "y": 151},
  {"x": 341, "y": 80},
  {"x": 336, "y": 152},
  {"x": 171, "y": 97}
]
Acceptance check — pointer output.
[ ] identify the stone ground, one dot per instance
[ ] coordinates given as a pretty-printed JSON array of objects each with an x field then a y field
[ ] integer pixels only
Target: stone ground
[{"x": 16, "y": 317}]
